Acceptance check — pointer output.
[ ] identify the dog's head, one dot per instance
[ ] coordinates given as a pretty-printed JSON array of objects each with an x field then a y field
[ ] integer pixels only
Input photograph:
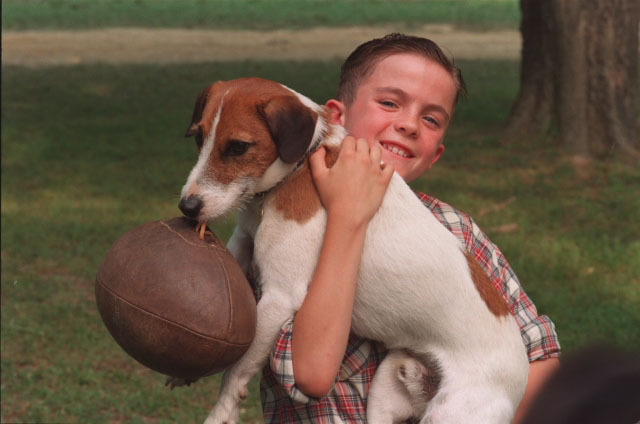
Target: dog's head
[{"x": 251, "y": 133}]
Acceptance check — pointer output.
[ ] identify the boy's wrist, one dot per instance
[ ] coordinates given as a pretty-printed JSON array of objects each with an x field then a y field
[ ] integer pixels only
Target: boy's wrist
[{"x": 342, "y": 220}]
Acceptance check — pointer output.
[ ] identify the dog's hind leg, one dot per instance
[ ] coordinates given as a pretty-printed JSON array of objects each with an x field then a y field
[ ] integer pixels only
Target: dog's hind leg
[
  {"x": 401, "y": 388},
  {"x": 271, "y": 316}
]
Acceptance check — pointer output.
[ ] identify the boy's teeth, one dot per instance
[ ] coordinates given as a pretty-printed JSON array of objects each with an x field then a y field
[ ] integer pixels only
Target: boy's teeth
[{"x": 395, "y": 150}]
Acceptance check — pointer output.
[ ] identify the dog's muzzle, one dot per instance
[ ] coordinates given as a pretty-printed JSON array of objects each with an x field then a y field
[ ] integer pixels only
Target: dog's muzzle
[{"x": 191, "y": 205}]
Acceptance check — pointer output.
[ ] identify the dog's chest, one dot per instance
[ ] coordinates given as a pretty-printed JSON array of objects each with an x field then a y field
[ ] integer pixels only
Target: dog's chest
[{"x": 286, "y": 251}]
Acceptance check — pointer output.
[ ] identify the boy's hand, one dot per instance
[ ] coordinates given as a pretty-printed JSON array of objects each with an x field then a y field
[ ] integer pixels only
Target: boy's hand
[{"x": 352, "y": 190}]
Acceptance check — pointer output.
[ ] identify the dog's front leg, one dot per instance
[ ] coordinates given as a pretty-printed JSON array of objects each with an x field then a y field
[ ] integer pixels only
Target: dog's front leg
[
  {"x": 272, "y": 314},
  {"x": 240, "y": 246},
  {"x": 241, "y": 241}
]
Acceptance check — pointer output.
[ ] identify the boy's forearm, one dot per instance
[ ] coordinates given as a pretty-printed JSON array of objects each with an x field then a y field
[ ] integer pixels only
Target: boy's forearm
[
  {"x": 321, "y": 327},
  {"x": 539, "y": 372}
]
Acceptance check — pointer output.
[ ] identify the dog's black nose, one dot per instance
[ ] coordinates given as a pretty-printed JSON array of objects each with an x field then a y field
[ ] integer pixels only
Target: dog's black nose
[{"x": 190, "y": 206}]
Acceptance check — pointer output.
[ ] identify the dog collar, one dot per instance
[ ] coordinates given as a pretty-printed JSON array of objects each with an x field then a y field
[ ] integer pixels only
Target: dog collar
[{"x": 298, "y": 165}]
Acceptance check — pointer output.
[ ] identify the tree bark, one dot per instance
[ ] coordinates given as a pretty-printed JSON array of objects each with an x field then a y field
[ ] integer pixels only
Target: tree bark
[
  {"x": 534, "y": 107},
  {"x": 579, "y": 73}
]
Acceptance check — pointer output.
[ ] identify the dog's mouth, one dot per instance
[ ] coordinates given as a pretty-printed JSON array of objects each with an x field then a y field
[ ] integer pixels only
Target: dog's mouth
[{"x": 397, "y": 149}]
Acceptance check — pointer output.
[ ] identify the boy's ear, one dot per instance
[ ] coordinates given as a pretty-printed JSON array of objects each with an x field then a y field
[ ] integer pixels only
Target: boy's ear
[
  {"x": 438, "y": 153},
  {"x": 336, "y": 111}
]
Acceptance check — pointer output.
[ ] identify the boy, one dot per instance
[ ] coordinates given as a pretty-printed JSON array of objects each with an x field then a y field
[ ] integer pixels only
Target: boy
[{"x": 397, "y": 96}]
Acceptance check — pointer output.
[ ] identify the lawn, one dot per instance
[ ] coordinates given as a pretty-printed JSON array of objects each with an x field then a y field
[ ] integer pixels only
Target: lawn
[
  {"x": 89, "y": 152},
  {"x": 254, "y": 14}
]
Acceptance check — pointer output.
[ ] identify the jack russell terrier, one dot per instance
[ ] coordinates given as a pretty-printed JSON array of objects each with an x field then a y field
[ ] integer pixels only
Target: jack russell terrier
[{"x": 254, "y": 138}]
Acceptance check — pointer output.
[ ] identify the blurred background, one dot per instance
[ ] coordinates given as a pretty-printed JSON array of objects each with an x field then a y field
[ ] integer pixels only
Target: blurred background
[{"x": 96, "y": 97}]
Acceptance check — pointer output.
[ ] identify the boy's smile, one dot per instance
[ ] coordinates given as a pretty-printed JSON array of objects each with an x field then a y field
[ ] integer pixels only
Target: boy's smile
[{"x": 405, "y": 105}]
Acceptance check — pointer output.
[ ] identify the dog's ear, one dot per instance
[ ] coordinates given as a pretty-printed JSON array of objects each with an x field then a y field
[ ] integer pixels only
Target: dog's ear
[
  {"x": 201, "y": 101},
  {"x": 291, "y": 125}
]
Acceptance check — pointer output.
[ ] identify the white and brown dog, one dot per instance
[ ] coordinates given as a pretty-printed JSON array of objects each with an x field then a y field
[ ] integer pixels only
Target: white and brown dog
[{"x": 418, "y": 289}]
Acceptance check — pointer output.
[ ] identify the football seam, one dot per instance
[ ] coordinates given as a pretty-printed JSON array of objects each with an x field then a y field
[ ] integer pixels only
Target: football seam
[
  {"x": 228, "y": 343},
  {"x": 206, "y": 246},
  {"x": 226, "y": 277}
]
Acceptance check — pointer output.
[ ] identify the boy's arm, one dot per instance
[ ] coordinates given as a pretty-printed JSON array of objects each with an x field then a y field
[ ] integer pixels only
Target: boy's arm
[
  {"x": 351, "y": 192},
  {"x": 539, "y": 372},
  {"x": 321, "y": 326}
]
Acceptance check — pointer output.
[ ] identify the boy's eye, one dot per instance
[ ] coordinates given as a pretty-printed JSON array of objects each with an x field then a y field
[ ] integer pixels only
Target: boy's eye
[
  {"x": 387, "y": 103},
  {"x": 236, "y": 148},
  {"x": 432, "y": 120}
]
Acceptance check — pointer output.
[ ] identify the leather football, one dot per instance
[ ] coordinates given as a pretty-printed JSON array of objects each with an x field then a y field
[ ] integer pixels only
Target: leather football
[{"x": 177, "y": 304}]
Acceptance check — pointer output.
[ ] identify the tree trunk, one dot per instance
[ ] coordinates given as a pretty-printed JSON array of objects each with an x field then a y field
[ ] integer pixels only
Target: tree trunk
[{"x": 579, "y": 72}]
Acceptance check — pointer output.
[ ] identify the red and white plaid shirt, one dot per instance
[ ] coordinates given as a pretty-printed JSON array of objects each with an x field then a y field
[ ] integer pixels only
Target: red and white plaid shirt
[{"x": 283, "y": 402}]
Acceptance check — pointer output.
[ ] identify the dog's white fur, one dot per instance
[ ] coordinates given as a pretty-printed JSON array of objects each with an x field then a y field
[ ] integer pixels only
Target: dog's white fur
[
  {"x": 397, "y": 391},
  {"x": 414, "y": 291}
]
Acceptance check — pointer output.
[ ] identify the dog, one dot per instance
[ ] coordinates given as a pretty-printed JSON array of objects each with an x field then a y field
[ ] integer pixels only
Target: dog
[{"x": 440, "y": 314}]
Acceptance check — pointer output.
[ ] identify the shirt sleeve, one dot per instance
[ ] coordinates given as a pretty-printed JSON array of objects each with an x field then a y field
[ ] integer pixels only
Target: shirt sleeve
[{"x": 281, "y": 364}]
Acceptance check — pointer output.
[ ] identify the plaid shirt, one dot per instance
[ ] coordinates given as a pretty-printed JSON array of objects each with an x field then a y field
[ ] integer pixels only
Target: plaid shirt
[{"x": 283, "y": 402}]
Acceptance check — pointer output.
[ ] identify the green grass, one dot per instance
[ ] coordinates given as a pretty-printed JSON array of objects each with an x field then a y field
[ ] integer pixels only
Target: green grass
[
  {"x": 88, "y": 152},
  {"x": 254, "y": 14}
]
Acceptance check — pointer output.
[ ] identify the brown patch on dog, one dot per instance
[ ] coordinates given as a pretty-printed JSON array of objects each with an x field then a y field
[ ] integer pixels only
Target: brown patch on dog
[
  {"x": 205, "y": 109},
  {"x": 196, "y": 117},
  {"x": 488, "y": 292},
  {"x": 240, "y": 120},
  {"x": 297, "y": 198}
]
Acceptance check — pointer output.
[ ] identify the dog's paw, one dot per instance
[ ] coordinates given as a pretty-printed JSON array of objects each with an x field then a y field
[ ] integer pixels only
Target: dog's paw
[
  {"x": 173, "y": 382},
  {"x": 224, "y": 412}
]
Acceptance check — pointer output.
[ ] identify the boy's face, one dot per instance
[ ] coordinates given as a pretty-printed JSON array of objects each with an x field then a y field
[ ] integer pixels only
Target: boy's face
[{"x": 405, "y": 105}]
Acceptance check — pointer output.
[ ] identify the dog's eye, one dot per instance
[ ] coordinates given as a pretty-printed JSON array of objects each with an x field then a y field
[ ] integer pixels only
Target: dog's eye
[{"x": 236, "y": 148}]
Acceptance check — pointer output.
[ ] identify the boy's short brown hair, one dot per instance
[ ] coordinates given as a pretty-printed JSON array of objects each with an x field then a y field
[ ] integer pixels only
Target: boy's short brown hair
[{"x": 365, "y": 57}]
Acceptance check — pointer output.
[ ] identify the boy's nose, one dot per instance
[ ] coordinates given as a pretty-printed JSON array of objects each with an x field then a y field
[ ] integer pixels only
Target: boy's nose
[{"x": 407, "y": 126}]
